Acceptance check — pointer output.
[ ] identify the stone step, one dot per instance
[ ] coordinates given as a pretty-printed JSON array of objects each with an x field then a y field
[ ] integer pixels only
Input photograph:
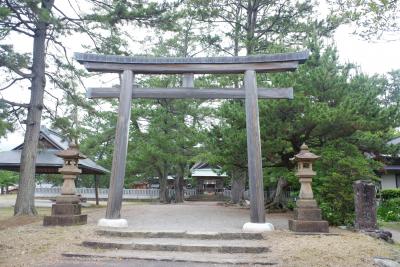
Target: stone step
[
  {"x": 179, "y": 234},
  {"x": 189, "y": 257},
  {"x": 183, "y": 245}
]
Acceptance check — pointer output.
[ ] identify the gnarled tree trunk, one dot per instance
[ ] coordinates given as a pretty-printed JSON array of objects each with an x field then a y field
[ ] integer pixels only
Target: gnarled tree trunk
[
  {"x": 238, "y": 187},
  {"x": 25, "y": 203},
  {"x": 179, "y": 183},
  {"x": 277, "y": 202}
]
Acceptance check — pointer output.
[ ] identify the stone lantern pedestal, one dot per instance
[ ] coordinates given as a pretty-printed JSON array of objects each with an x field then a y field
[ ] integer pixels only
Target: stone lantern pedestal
[
  {"x": 67, "y": 210},
  {"x": 307, "y": 215}
]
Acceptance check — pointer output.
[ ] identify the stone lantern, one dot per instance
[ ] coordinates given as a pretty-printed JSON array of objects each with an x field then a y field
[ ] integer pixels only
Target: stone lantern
[
  {"x": 307, "y": 215},
  {"x": 67, "y": 210}
]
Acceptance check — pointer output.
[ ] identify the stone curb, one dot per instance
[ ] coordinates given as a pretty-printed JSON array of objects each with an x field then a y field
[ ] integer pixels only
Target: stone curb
[
  {"x": 168, "y": 259},
  {"x": 179, "y": 234},
  {"x": 212, "y": 248}
]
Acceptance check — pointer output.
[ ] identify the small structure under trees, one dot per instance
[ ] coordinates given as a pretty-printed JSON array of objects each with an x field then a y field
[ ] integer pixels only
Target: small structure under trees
[
  {"x": 207, "y": 179},
  {"x": 187, "y": 67},
  {"x": 50, "y": 142}
]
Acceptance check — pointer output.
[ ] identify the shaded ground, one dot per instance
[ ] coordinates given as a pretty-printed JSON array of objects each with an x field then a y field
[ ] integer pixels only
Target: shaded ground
[
  {"x": 35, "y": 245},
  {"x": 394, "y": 228},
  {"x": 194, "y": 216}
]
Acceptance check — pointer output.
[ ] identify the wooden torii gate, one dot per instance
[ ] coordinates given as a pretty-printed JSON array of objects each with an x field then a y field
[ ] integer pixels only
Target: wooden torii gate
[{"x": 248, "y": 65}]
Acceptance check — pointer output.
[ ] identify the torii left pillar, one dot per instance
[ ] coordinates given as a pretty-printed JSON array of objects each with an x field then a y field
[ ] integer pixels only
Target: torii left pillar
[{"x": 113, "y": 216}]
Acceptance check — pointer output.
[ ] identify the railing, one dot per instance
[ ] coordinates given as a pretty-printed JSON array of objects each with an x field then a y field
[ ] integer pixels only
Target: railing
[
  {"x": 228, "y": 193},
  {"x": 135, "y": 193},
  {"x": 103, "y": 193},
  {"x": 267, "y": 195}
]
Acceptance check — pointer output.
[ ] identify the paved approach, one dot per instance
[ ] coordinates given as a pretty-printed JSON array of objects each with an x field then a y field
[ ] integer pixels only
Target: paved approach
[{"x": 193, "y": 216}]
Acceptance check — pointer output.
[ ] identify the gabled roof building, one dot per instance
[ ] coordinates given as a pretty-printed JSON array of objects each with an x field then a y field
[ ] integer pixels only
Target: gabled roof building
[
  {"x": 390, "y": 176},
  {"x": 50, "y": 142},
  {"x": 208, "y": 180}
]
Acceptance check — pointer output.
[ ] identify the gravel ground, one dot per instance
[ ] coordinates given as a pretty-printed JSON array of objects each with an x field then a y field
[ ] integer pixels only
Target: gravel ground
[
  {"x": 194, "y": 216},
  {"x": 35, "y": 245}
]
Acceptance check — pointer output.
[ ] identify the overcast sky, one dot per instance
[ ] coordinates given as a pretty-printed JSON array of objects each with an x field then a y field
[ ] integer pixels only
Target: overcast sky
[{"x": 372, "y": 57}]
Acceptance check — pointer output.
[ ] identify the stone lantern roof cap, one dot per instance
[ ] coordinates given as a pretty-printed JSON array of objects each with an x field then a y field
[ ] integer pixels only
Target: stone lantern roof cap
[
  {"x": 305, "y": 154},
  {"x": 71, "y": 153}
]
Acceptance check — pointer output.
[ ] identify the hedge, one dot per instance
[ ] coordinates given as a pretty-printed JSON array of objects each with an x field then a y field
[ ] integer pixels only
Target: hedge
[{"x": 390, "y": 193}]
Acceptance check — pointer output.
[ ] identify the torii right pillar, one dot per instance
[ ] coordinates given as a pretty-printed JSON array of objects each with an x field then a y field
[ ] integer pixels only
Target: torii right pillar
[{"x": 307, "y": 215}]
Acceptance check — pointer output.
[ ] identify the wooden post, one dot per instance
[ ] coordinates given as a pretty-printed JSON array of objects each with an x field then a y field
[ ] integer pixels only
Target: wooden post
[
  {"x": 120, "y": 148},
  {"x": 257, "y": 210},
  {"x": 188, "y": 80},
  {"x": 96, "y": 189}
]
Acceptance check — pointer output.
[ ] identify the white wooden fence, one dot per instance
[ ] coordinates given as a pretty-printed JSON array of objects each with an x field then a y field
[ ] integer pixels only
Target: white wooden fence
[
  {"x": 103, "y": 193},
  {"x": 267, "y": 195},
  {"x": 129, "y": 193}
]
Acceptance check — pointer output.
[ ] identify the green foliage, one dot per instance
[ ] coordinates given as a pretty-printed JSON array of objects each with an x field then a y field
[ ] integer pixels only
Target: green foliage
[
  {"x": 164, "y": 134},
  {"x": 291, "y": 204},
  {"x": 388, "y": 194},
  {"x": 8, "y": 178},
  {"x": 372, "y": 18},
  {"x": 339, "y": 166},
  {"x": 389, "y": 210},
  {"x": 4, "y": 12},
  {"x": 338, "y": 112}
]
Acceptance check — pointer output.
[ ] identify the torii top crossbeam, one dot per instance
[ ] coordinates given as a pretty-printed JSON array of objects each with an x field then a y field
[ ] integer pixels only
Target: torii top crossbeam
[{"x": 197, "y": 65}]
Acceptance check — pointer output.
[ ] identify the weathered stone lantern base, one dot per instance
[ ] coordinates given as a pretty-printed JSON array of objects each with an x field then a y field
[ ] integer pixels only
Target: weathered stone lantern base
[
  {"x": 307, "y": 218},
  {"x": 66, "y": 212}
]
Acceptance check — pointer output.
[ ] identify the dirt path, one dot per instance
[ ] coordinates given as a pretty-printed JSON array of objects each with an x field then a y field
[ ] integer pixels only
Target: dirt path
[
  {"x": 395, "y": 233},
  {"x": 35, "y": 245}
]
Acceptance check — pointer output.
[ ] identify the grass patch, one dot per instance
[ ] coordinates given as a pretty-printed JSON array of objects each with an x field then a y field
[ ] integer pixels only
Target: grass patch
[
  {"x": 8, "y": 196},
  {"x": 8, "y": 220},
  {"x": 9, "y": 212}
]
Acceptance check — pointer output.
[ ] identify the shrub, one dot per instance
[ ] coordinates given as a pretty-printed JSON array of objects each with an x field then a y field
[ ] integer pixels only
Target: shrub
[
  {"x": 340, "y": 165},
  {"x": 390, "y": 193},
  {"x": 389, "y": 210},
  {"x": 291, "y": 204}
]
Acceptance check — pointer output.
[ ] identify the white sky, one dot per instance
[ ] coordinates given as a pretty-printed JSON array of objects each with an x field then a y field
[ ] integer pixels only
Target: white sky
[{"x": 372, "y": 57}]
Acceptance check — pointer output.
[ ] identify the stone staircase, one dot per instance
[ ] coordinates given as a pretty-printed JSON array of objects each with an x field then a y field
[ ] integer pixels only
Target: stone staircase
[{"x": 175, "y": 246}]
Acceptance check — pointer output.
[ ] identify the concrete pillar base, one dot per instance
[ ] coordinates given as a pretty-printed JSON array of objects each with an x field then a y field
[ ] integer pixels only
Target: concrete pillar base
[
  {"x": 64, "y": 220},
  {"x": 65, "y": 214},
  {"x": 116, "y": 223},
  {"x": 258, "y": 227},
  {"x": 309, "y": 226}
]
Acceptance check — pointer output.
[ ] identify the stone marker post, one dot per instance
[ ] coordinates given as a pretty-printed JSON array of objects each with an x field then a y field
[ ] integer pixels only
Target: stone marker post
[
  {"x": 365, "y": 205},
  {"x": 67, "y": 210},
  {"x": 307, "y": 215}
]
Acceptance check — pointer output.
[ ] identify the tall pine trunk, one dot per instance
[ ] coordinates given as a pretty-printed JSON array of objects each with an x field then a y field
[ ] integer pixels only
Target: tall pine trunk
[
  {"x": 25, "y": 203},
  {"x": 252, "y": 13},
  {"x": 163, "y": 179}
]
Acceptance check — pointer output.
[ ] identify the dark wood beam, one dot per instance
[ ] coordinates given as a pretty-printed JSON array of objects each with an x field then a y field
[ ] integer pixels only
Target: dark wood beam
[
  {"x": 261, "y": 58},
  {"x": 206, "y": 93},
  {"x": 191, "y": 68}
]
